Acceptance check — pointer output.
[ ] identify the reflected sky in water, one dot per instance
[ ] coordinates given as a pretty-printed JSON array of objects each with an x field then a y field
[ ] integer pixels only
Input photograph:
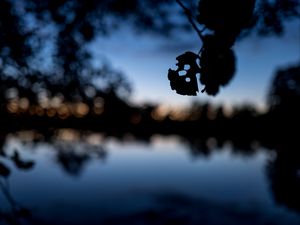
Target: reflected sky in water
[{"x": 108, "y": 181}]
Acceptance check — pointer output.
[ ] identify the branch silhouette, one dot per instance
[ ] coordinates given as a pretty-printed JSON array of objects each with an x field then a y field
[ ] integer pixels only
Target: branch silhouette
[
  {"x": 191, "y": 20},
  {"x": 224, "y": 22}
]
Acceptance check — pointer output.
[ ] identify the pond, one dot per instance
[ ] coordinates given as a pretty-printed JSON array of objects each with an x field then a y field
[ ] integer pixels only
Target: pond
[{"x": 93, "y": 179}]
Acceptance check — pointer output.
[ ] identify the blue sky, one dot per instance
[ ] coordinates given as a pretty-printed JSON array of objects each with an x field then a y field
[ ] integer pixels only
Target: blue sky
[{"x": 145, "y": 59}]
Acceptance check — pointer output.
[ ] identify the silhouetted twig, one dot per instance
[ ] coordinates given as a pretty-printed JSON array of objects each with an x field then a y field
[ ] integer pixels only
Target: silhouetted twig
[{"x": 190, "y": 18}]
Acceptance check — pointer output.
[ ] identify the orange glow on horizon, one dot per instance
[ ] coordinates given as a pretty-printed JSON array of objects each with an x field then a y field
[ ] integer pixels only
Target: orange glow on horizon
[{"x": 80, "y": 109}]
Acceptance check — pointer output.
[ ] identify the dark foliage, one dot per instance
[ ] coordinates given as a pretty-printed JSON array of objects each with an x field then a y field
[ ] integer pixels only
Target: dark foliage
[
  {"x": 271, "y": 15},
  {"x": 226, "y": 18},
  {"x": 44, "y": 46},
  {"x": 285, "y": 90},
  {"x": 183, "y": 80},
  {"x": 217, "y": 63},
  {"x": 224, "y": 22}
]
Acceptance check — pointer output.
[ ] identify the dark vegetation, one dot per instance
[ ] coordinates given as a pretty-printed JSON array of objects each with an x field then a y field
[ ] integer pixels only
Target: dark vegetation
[
  {"x": 222, "y": 23},
  {"x": 110, "y": 114},
  {"x": 48, "y": 82},
  {"x": 48, "y": 78}
]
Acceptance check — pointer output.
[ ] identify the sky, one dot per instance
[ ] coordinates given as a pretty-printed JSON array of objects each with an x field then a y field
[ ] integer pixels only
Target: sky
[{"x": 145, "y": 59}]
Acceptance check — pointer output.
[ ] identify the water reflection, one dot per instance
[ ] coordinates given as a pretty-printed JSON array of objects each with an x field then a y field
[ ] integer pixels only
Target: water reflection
[
  {"x": 88, "y": 178},
  {"x": 14, "y": 212},
  {"x": 73, "y": 158},
  {"x": 284, "y": 175}
]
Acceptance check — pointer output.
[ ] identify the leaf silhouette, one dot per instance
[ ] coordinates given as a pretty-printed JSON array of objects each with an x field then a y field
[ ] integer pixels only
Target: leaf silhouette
[{"x": 184, "y": 79}]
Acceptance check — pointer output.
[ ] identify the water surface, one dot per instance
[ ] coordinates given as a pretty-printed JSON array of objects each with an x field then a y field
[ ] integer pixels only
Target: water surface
[{"x": 97, "y": 180}]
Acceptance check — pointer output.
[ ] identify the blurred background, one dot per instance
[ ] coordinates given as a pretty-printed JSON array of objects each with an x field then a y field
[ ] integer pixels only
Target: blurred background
[{"x": 93, "y": 131}]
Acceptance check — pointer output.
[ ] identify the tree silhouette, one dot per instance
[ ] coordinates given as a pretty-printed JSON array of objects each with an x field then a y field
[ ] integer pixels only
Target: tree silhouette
[
  {"x": 46, "y": 62},
  {"x": 284, "y": 94},
  {"x": 223, "y": 22},
  {"x": 44, "y": 45}
]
